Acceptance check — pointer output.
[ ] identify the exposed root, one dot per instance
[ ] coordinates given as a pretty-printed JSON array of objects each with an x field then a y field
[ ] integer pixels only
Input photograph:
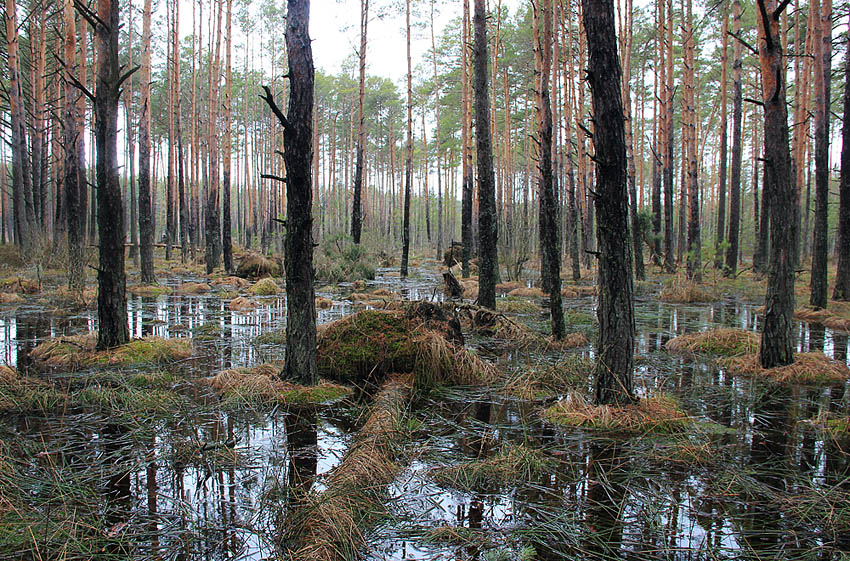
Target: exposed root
[
  {"x": 808, "y": 368},
  {"x": 330, "y": 526},
  {"x": 725, "y": 341}
]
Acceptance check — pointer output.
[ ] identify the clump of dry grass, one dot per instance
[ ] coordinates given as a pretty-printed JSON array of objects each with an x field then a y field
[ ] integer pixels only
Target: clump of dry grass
[
  {"x": 439, "y": 361},
  {"x": 264, "y": 287},
  {"x": 547, "y": 380},
  {"x": 324, "y": 303},
  {"x": 808, "y": 368},
  {"x": 193, "y": 288},
  {"x": 20, "y": 285},
  {"x": 470, "y": 288},
  {"x": 656, "y": 414},
  {"x": 330, "y": 526},
  {"x": 683, "y": 291},
  {"x": 568, "y": 292},
  {"x": 511, "y": 463},
  {"x": 78, "y": 351},
  {"x": 514, "y": 334},
  {"x": 236, "y": 282},
  {"x": 724, "y": 341},
  {"x": 25, "y": 393},
  {"x": 10, "y": 298},
  {"x": 506, "y": 287},
  {"x": 64, "y": 297},
  {"x": 148, "y": 289},
  {"x": 825, "y": 317},
  {"x": 526, "y": 292},
  {"x": 254, "y": 266},
  {"x": 241, "y": 304},
  {"x": 262, "y": 385}
]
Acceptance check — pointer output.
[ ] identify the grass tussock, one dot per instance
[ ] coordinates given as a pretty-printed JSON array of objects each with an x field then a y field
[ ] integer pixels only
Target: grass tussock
[
  {"x": 11, "y": 298},
  {"x": 193, "y": 288},
  {"x": 262, "y": 385},
  {"x": 256, "y": 266},
  {"x": 725, "y": 341},
  {"x": 330, "y": 526},
  {"x": 808, "y": 368},
  {"x": 78, "y": 351},
  {"x": 20, "y": 285},
  {"x": 683, "y": 291},
  {"x": 510, "y": 464},
  {"x": 324, "y": 303},
  {"x": 515, "y": 305},
  {"x": 827, "y": 318},
  {"x": 26, "y": 394},
  {"x": 548, "y": 380},
  {"x": 526, "y": 292},
  {"x": 470, "y": 288},
  {"x": 656, "y": 414},
  {"x": 148, "y": 290},
  {"x": 514, "y": 334},
  {"x": 230, "y": 282},
  {"x": 10, "y": 256},
  {"x": 506, "y": 287},
  {"x": 265, "y": 287},
  {"x": 439, "y": 361},
  {"x": 339, "y": 259},
  {"x": 64, "y": 297},
  {"x": 241, "y": 304}
]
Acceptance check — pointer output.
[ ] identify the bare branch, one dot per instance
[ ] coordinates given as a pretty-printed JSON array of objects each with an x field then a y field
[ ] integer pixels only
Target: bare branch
[{"x": 269, "y": 99}]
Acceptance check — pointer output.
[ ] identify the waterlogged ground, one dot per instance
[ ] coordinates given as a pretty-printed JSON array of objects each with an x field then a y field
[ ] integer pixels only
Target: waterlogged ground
[{"x": 206, "y": 479}]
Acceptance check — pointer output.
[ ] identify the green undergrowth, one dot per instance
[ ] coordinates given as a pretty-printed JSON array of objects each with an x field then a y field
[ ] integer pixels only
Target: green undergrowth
[
  {"x": 262, "y": 385},
  {"x": 339, "y": 259},
  {"x": 78, "y": 351},
  {"x": 510, "y": 463},
  {"x": 264, "y": 287},
  {"x": 516, "y": 305},
  {"x": 148, "y": 290},
  {"x": 724, "y": 342}
]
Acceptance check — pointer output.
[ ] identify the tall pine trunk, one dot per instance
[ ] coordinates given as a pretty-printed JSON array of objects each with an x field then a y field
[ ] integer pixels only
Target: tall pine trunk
[
  {"x": 356, "y": 210},
  {"x": 737, "y": 141},
  {"x": 720, "y": 235},
  {"x": 226, "y": 235},
  {"x": 408, "y": 156},
  {"x": 113, "y": 329},
  {"x": 614, "y": 368},
  {"x": 466, "y": 157},
  {"x": 777, "y": 340},
  {"x": 842, "y": 277},
  {"x": 146, "y": 233}
]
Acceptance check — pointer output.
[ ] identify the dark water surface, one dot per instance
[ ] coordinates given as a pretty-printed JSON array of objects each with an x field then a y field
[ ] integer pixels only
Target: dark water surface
[{"x": 212, "y": 483}]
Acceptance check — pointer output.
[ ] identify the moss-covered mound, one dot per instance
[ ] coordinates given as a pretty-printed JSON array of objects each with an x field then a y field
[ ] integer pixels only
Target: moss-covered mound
[
  {"x": 148, "y": 290},
  {"x": 230, "y": 282},
  {"x": 418, "y": 338},
  {"x": 262, "y": 385},
  {"x": 264, "y": 287},
  {"x": 78, "y": 351},
  {"x": 808, "y": 368},
  {"x": 656, "y": 414},
  {"x": 255, "y": 266},
  {"x": 725, "y": 341},
  {"x": 193, "y": 288}
]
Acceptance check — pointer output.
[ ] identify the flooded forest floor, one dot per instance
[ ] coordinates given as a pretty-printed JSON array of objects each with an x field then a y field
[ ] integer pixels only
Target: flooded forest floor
[{"x": 188, "y": 446}]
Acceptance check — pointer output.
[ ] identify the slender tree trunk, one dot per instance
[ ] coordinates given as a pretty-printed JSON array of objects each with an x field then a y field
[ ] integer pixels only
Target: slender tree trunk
[
  {"x": 737, "y": 147},
  {"x": 720, "y": 236},
  {"x": 777, "y": 341},
  {"x": 356, "y": 210},
  {"x": 614, "y": 368},
  {"x": 842, "y": 277},
  {"x": 637, "y": 243},
  {"x": 146, "y": 227},
  {"x": 823, "y": 79},
  {"x": 466, "y": 157},
  {"x": 669, "y": 262},
  {"x": 73, "y": 167},
  {"x": 438, "y": 140},
  {"x": 173, "y": 71},
  {"x": 113, "y": 329},
  {"x": 487, "y": 218},
  {"x": 226, "y": 223},
  {"x": 694, "y": 259},
  {"x": 211, "y": 212},
  {"x": 408, "y": 158}
]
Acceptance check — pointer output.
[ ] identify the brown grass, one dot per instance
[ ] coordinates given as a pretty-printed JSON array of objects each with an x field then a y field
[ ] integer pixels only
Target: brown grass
[
  {"x": 264, "y": 287},
  {"x": 660, "y": 413},
  {"x": 724, "y": 341},
  {"x": 808, "y": 368},
  {"x": 64, "y": 297},
  {"x": 827, "y": 318},
  {"x": 236, "y": 282},
  {"x": 254, "y": 266},
  {"x": 324, "y": 303},
  {"x": 682, "y": 291},
  {"x": 263, "y": 384},
  {"x": 506, "y": 287},
  {"x": 241, "y": 304},
  {"x": 193, "y": 288},
  {"x": 470, "y": 288},
  {"x": 526, "y": 292},
  {"x": 78, "y": 351},
  {"x": 330, "y": 526},
  {"x": 438, "y": 361},
  {"x": 11, "y": 298}
]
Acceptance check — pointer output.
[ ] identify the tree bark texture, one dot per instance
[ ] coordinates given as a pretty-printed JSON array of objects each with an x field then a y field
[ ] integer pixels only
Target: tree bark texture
[
  {"x": 146, "y": 233},
  {"x": 842, "y": 277},
  {"x": 113, "y": 329},
  {"x": 408, "y": 156},
  {"x": 487, "y": 220},
  {"x": 777, "y": 340},
  {"x": 356, "y": 211},
  {"x": 737, "y": 140},
  {"x": 614, "y": 367}
]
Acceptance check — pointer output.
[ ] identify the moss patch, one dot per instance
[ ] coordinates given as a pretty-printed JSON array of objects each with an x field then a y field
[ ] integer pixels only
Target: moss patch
[
  {"x": 148, "y": 290},
  {"x": 79, "y": 352},
  {"x": 656, "y": 414},
  {"x": 808, "y": 368},
  {"x": 265, "y": 287},
  {"x": 726, "y": 342},
  {"x": 254, "y": 266}
]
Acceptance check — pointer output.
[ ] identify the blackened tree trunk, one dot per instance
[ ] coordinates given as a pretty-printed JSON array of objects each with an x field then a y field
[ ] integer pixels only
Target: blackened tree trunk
[
  {"x": 763, "y": 240},
  {"x": 408, "y": 157},
  {"x": 212, "y": 218},
  {"x": 226, "y": 235},
  {"x": 823, "y": 79},
  {"x": 614, "y": 368},
  {"x": 694, "y": 257},
  {"x": 737, "y": 139},
  {"x": 724, "y": 127},
  {"x": 300, "y": 360},
  {"x": 113, "y": 329},
  {"x": 146, "y": 233},
  {"x": 487, "y": 220},
  {"x": 842, "y": 278},
  {"x": 546, "y": 190},
  {"x": 356, "y": 211},
  {"x": 669, "y": 138},
  {"x": 777, "y": 339},
  {"x": 74, "y": 172}
]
